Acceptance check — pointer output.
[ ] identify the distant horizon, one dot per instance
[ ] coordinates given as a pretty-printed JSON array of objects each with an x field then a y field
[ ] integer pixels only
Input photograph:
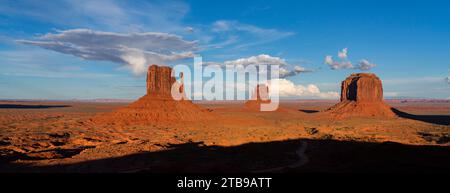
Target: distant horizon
[{"x": 281, "y": 99}]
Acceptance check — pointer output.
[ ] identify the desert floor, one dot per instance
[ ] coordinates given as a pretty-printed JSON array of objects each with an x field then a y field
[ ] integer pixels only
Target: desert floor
[{"x": 59, "y": 137}]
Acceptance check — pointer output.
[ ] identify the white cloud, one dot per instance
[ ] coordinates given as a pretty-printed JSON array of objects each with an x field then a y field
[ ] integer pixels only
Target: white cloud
[
  {"x": 365, "y": 65},
  {"x": 335, "y": 65},
  {"x": 329, "y": 60},
  {"x": 221, "y": 25},
  {"x": 259, "y": 59},
  {"x": 136, "y": 50},
  {"x": 344, "y": 63},
  {"x": 284, "y": 73},
  {"x": 448, "y": 79},
  {"x": 300, "y": 69},
  {"x": 343, "y": 54},
  {"x": 285, "y": 69},
  {"x": 288, "y": 89},
  {"x": 190, "y": 29}
]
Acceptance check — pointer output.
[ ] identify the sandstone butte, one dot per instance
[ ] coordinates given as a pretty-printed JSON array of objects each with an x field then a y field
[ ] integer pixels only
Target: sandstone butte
[
  {"x": 157, "y": 106},
  {"x": 260, "y": 96},
  {"x": 361, "y": 95}
]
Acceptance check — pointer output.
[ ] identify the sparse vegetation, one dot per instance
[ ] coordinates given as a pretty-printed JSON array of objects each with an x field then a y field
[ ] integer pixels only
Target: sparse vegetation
[
  {"x": 311, "y": 130},
  {"x": 441, "y": 138}
]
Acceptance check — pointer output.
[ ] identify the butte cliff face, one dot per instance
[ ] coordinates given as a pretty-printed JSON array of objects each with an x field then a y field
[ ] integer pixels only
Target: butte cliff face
[
  {"x": 160, "y": 81},
  {"x": 157, "y": 106},
  {"x": 260, "y": 96},
  {"x": 362, "y": 87},
  {"x": 361, "y": 95},
  {"x": 261, "y": 93}
]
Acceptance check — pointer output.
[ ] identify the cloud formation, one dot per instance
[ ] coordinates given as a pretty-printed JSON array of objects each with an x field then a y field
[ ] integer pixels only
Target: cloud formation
[
  {"x": 226, "y": 25},
  {"x": 108, "y": 15},
  {"x": 255, "y": 34},
  {"x": 344, "y": 63},
  {"x": 365, "y": 65},
  {"x": 285, "y": 70},
  {"x": 259, "y": 59},
  {"x": 135, "y": 50},
  {"x": 448, "y": 79},
  {"x": 343, "y": 54},
  {"x": 288, "y": 89},
  {"x": 335, "y": 65},
  {"x": 284, "y": 73}
]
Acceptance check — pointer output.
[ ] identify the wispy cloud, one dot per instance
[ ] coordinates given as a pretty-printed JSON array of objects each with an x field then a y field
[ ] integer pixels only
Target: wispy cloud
[
  {"x": 111, "y": 15},
  {"x": 44, "y": 64},
  {"x": 135, "y": 50},
  {"x": 260, "y": 35},
  {"x": 288, "y": 72}
]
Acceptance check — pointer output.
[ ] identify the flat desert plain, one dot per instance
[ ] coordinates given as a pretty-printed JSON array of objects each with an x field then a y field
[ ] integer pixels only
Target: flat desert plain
[{"x": 61, "y": 136}]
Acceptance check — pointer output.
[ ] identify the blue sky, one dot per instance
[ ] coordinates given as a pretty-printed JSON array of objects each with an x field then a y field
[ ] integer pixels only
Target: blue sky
[{"x": 408, "y": 41}]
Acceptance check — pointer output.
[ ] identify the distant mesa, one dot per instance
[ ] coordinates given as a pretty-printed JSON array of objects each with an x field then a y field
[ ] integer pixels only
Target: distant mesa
[
  {"x": 361, "y": 95},
  {"x": 158, "y": 105},
  {"x": 260, "y": 96}
]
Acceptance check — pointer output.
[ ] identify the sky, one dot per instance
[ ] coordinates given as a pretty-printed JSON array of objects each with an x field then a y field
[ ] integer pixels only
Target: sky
[{"x": 86, "y": 49}]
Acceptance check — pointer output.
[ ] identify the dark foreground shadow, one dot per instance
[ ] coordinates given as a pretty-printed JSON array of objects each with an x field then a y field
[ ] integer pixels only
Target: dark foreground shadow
[
  {"x": 435, "y": 119},
  {"x": 319, "y": 156},
  {"x": 18, "y": 106},
  {"x": 308, "y": 111}
]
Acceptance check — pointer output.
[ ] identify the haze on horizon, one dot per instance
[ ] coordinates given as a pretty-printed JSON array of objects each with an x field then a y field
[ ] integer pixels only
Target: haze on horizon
[{"x": 100, "y": 49}]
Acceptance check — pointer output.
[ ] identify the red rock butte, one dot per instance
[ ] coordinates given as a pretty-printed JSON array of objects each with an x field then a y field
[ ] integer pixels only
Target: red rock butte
[
  {"x": 260, "y": 96},
  {"x": 158, "y": 105},
  {"x": 160, "y": 81},
  {"x": 361, "y": 95}
]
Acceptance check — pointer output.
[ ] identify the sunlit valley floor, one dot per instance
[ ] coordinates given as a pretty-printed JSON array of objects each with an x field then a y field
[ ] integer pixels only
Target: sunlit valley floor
[{"x": 59, "y": 137}]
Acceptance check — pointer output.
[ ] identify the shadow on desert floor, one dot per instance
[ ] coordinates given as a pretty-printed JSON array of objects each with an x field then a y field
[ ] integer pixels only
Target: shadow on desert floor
[
  {"x": 435, "y": 119},
  {"x": 322, "y": 156},
  {"x": 20, "y": 106},
  {"x": 308, "y": 111}
]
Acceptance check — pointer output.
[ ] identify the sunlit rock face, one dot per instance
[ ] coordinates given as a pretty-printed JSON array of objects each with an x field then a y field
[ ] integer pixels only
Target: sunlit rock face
[
  {"x": 159, "y": 80},
  {"x": 362, "y": 87},
  {"x": 361, "y": 95}
]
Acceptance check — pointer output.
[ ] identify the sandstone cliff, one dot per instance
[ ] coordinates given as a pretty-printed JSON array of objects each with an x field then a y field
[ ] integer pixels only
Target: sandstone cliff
[{"x": 361, "y": 95}]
